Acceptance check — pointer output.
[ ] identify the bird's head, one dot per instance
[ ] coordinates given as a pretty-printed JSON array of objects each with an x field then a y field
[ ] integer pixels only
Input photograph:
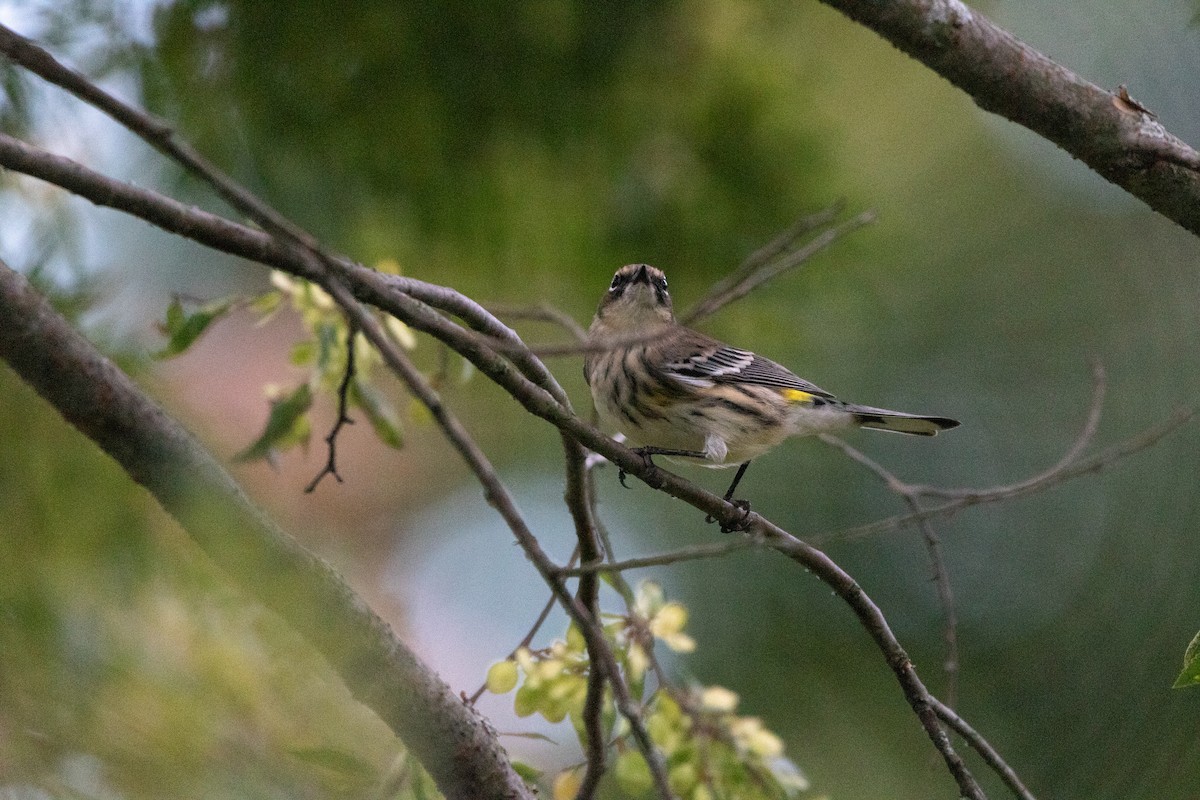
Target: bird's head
[{"x": 636, "y": 299}]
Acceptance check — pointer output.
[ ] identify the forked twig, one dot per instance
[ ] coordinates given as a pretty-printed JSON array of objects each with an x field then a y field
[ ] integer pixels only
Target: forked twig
[{"x": 343, "y": 418}]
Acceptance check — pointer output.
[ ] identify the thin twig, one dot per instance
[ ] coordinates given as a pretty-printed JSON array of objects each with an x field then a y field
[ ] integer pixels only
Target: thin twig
[
  {"x": 782, "y": 242},
  {"x": 543, "y": 313},
  {"x": 1086, "y": 434},
  {"x": 974, "y": 497},
  {"x": 577, "y": 498},
  {"x": 747, "y": 278},
  {"x": 933, "y": 547},
  {"x": 528, "y": 638},
  {"x": 981, "y": 746},
  {"x": 572, "y": 348},
  {"x": 692, "y": 553},
  {"x": 912, "y": 493},
  {"x": 343, "y": 395}
]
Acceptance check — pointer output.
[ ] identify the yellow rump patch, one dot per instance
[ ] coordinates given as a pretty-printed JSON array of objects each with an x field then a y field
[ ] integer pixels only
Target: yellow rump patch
[{"x": 797, "y": 396}]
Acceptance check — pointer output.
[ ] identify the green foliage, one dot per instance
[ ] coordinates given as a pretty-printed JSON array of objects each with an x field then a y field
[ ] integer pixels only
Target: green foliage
[
  {"x": 346, "y": 768},
  {"x": 711, "y": 752},
  {"x": 1190, "y": 676},
  {"x": 287, "y": 426},
  {"x": 182, "y": 330},
  {"x": 380, "y": 413},
  {"x": 322, "y": 354}
]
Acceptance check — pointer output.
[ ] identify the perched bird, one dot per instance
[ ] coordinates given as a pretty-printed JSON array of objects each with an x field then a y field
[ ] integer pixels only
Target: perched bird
[{"x": 684, "y": 395}]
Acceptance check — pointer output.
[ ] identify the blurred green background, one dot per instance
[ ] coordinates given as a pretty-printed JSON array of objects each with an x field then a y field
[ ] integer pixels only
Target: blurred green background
[{"x": 520, "y": 153}]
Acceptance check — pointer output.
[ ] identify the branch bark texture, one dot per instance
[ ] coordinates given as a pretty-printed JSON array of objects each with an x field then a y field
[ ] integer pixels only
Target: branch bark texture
[
  {"x": 452, "y": 742},
  {"x": 1106, "y": 130}
]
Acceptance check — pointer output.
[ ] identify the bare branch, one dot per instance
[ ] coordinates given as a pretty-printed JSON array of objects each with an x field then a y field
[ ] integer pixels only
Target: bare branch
[
  {"x": 542, "y": 313},
  {"x": 981, "y": 746},
  {"x": 1086, "y": 434},
  {"x": 1003, "y": 75},
  {"x": 577, "y": 497},
  {"x": 758, "y": 269},
  {"x": 933, "y": 546},
  {"x": 663, "y": 559},
  {"x": 965, "y": 498}
]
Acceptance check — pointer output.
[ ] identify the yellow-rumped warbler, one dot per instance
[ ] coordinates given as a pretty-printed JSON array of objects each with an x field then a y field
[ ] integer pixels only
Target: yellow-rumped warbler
[{"x": 681, "y": 394}]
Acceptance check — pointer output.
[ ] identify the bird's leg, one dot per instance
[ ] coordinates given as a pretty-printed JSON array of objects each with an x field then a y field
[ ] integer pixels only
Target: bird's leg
[
  {"x": 744, "y": 505},
  {"x": 646, "y": 452}
]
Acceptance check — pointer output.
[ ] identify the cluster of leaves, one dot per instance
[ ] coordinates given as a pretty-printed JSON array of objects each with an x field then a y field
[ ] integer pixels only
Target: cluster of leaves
[
  {"x": 711, "y": 752},
  {"x": 323, "y": 352}
]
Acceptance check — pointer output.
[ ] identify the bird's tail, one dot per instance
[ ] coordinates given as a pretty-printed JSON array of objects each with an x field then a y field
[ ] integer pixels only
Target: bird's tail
[{"x": 900, "y": 422}]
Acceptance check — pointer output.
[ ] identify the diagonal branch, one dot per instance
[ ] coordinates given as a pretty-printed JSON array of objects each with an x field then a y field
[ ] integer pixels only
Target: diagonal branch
[
  {"x": 581, "y": 609},
  {"x": 984, "y": 749},
  {"x": 1108, "y": 131}
]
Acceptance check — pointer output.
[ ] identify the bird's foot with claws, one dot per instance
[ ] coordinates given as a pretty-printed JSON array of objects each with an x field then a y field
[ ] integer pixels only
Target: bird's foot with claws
[
  {"x": 645, "y": 453},
  {"x": 740, "y": 524}
]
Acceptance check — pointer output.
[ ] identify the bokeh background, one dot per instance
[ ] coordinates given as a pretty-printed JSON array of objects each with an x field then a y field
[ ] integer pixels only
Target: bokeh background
[{"x": 520, "y": 152}]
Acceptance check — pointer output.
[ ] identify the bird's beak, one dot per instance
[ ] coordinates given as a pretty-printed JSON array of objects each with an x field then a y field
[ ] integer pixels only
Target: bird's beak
[{"x": 641, "y": 276}]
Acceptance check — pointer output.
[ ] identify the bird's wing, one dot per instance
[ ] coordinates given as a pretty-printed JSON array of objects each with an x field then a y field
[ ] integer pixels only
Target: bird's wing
[{"x": 703, "y": 361}]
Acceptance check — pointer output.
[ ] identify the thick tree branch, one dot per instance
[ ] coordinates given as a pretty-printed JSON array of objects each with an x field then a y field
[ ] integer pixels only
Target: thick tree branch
[
  {"x": 1105, "y": 130},
  {"x": 454, "y": 743}
]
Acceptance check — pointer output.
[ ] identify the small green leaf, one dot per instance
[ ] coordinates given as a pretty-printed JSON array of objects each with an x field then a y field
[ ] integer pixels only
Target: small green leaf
[
  {"x": 632, "y": 773},
  {"x": 380, "y": 412},
  {"x": 183, "y": 329},
  {"x": 527, "y": 773},
  {"x": 286, "y": 426},
  {"x": 328, "y": 357},
  {"x": 1190, "y": 676},
  {"x": 532, "y": 735},
  {"x": 337, "y": 761},
  {"x": 527, "y": 700}
]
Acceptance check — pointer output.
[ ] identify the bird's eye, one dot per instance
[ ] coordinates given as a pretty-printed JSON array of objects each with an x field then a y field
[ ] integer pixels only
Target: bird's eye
[
  {"x": 615, "y": 282},
  {"x": 662, "y": 283}
]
